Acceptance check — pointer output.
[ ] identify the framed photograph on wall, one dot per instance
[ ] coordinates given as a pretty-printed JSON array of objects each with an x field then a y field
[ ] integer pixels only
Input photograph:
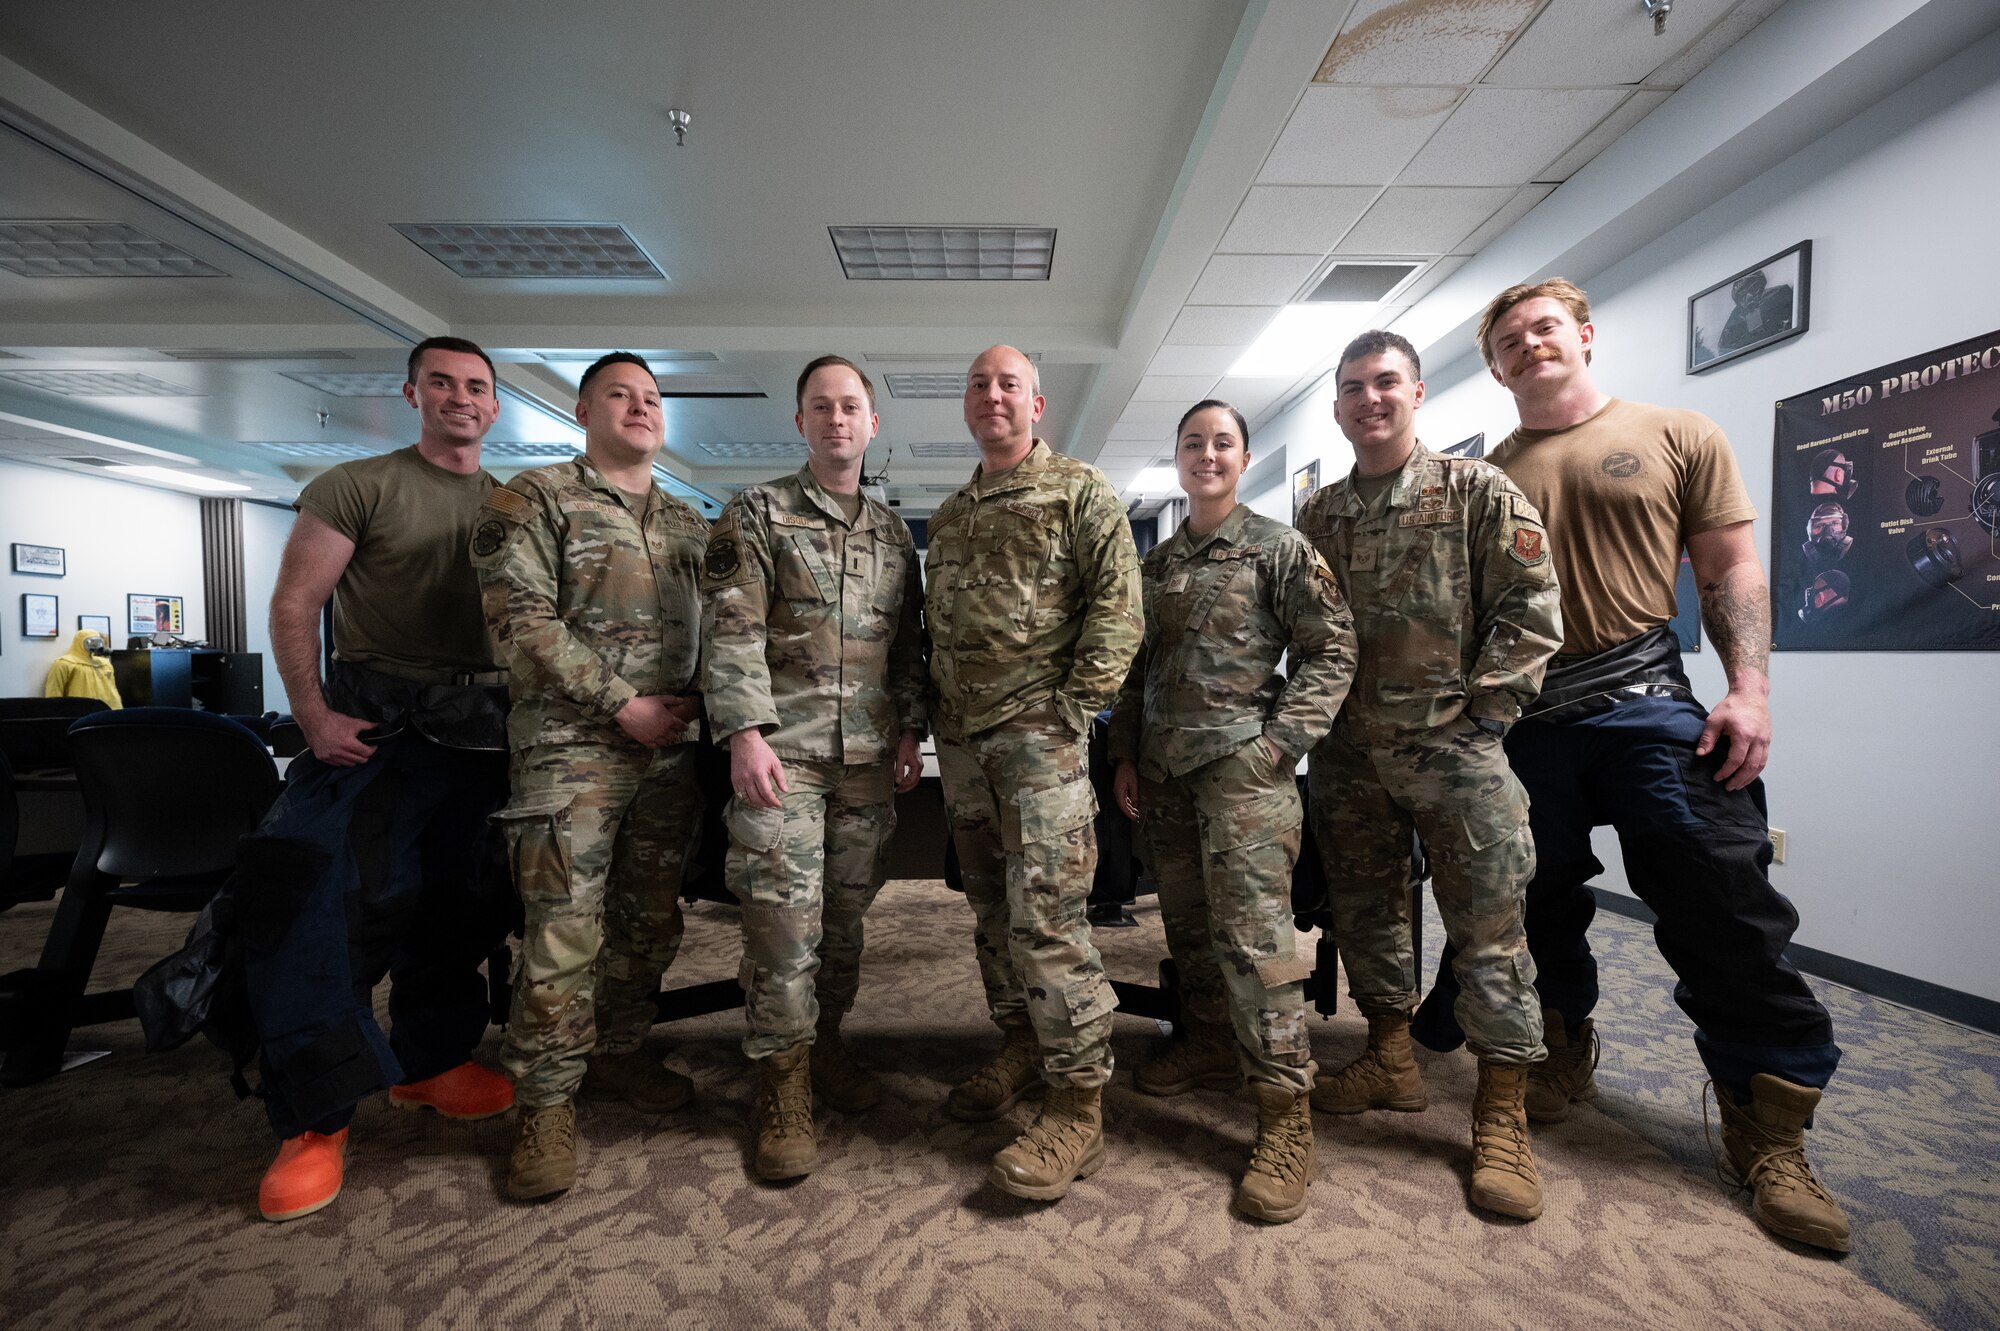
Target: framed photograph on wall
[
  {"x": 95, "y": 624},
  {"x": 44, "y": 561},
  {"x": 146, "y": 614},
  {"x": 38, "y": 615},
  {"x": 1304, "y": 481},
  {"x": 1748, "y": 311}
]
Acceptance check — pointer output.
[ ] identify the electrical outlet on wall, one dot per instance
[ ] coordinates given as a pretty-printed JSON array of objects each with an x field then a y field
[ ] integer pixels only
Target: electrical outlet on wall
[{"x": 1777, "y": 845}]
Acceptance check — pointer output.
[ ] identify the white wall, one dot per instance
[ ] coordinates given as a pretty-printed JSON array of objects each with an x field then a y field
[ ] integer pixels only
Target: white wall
[
  {"x": 120, "y": 538},
  {"x": 1882, "y": 769},
  {"x": 265, "y": 530}
]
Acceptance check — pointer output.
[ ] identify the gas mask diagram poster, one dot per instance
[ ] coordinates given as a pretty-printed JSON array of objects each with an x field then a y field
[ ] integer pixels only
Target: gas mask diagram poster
[{"x": 1885, "y": 508}]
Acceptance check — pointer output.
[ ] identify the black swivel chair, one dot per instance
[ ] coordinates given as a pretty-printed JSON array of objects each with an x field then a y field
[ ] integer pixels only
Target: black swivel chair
[
  {"x": 167, "y": 793},
  {"x": 34, "y": 877}
]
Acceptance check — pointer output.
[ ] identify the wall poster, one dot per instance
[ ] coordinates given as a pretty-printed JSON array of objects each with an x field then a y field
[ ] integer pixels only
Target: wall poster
[{"x": 1885, "y": 508}]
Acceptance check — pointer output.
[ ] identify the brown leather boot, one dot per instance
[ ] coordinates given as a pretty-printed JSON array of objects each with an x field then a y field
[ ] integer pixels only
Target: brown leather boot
[
  {"x": 837, "y": 1078},
  {"x": 1766, "y": 1144},
  {"x": 1001, "y": 1084},
  {"x": 1281, "y": 1163},
  {"x": 1384, "y": 1077},
  {"x": 1063, "y": 1144},
  {"x": 1503, "y": 1169},
  {"x": 1567, "y": 1075},
  {"x": 1205, "y": 1057},
  {"x": 637, "y": 1078},
  {"x": 783, "y": 1122},
  {"x": 544, "y": 1159}
]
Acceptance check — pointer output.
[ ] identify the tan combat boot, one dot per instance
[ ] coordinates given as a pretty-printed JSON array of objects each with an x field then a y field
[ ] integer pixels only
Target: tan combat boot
[
  {"x": 1503, "y": 1169},
  {"x": 1206, "y": 1057},
  {"x": 837, "y": 1078},
  {"x": 1766, "y": 1144},
  {"x": 638, "y": 1079},
  {"x": 544, "y": 1160},
  {"x": 1384, "y": 1077},
  {"x": 1001, "y": 1084},
  {"x": 1281, "y": 1163},
  {"x": 783, "y": 1120},
  {"x": 1063, "y": 1144},
  {"x": 1567, "y": 1074}
]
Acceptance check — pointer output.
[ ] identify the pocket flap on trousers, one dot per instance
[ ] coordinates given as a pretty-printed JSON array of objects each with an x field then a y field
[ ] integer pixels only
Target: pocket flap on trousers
[
  {"x": 1047, "y": 814},
  {"x": 1494, "y": 818},
  {"x": 1087, "y": 1000},
  {"x": 1252, "y": 822},
  {"x": 754, "y": 828},
  {"x": 535, "y": 804}
]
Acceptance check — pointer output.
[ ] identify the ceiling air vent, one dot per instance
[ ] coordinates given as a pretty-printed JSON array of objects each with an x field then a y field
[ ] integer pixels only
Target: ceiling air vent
[
  {"x": 735, "y": 451},
  {"x": 93, "y": 249},
  {"x": 708, "y": 385},
  {"x": 945, "y": 253},
  {"x": 1359, "y": 282},
  {"x": 533, "y": 249},
  {"x": 650, "y": 357},
  {"x": 97, "y": 383},
  {"x": 241, "y": 353},
  {"x": 96, "y": 462},
  {"x": 925, "y": 385},
  {"x": 958, "y": 448},
  {"x": 356, "y": 383}
]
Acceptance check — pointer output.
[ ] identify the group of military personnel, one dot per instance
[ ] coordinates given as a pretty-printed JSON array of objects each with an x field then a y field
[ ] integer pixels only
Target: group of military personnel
[{"x": 1414, "y": 610}]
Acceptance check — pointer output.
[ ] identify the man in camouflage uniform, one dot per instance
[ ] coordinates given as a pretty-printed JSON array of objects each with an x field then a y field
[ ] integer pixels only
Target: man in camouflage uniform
[
  {"x": 1032, "y": 599},
  {"x": 813, "y": 675},
  {"x": 591, "y": 574},
  {"x": 1455, "y": 604}
]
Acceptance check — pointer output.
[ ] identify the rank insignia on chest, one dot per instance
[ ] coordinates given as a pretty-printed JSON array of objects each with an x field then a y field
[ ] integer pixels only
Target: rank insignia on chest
[
  {"x": 1363, "y": 559},
  {"x": 857, "y": 561},
  {"x": 1430, "y": 490},
  {"x": 1177, "y": 584},
  {"x": 1527, "y": 546}
]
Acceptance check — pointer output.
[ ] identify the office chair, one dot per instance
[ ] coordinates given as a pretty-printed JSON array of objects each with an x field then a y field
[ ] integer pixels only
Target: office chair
[
  {"x": 167, "y": 793},
  {"x": 23, "y": 877}
]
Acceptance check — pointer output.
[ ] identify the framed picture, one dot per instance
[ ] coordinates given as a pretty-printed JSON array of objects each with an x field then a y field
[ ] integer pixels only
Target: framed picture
[
  {"x": 1304, "y": 481},
  {"x": 146, "y": 614},
  {"x": 45, "y": 561},
  {"x": 95, "y": 624},
  {"x": 1748, "y": 311},
  {"x": 38, "y": 615}
]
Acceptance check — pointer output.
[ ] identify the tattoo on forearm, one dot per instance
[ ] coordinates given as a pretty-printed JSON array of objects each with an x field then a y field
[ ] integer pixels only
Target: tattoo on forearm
[{"x": 1737, "y": 612}]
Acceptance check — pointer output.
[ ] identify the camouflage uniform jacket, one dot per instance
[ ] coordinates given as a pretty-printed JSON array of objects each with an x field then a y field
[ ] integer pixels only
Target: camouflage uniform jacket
[
  {"x": 812, "y": 626},
  {"x": 1453, "y": 593},
  {"x": 1221, "y": 611},
  {"x": 590, "y": 603},
  {"x": 1032, "y": 593}
]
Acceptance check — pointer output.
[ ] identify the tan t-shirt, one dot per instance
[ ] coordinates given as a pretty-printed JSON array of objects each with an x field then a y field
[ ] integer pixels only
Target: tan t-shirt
[
  {"x": 408, "y": 602},
  {"x": 1621, "y": 492}
]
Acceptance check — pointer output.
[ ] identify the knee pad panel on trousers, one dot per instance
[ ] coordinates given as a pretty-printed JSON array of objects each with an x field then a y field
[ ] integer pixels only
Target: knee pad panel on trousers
[{"x": 275, "y": 877}]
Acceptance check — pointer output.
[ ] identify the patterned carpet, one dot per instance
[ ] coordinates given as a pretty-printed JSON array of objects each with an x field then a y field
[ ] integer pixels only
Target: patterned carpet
[{"x": 127, "y": 1186}]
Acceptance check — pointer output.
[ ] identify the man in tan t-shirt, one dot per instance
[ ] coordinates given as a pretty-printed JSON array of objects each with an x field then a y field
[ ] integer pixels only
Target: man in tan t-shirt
[{"x": 1618, "y": 738}]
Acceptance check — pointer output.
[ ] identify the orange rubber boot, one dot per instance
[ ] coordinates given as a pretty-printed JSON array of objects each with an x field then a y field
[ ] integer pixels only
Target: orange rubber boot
[
  {"x": 304, "y": 1177},
  {"x": 466, "y": 1091}
]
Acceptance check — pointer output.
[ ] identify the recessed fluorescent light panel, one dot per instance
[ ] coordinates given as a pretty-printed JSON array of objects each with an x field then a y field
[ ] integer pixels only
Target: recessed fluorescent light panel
[
  {"x": 168, "y": 476},
  {"x": 1299, "y": 338},
  {"x": 314, "y": 448},
  {"x": 532, "y": 249},
  {"x": 1154, "y": 481},
  {"x": 1351, "y": 283},
  {"x": 93, "y": 249},
  {"x": 925, "y": 385},
  {"x": 650, "y": 357},
  {"x": 945, "y": 253},
  {"x": 97, "y": 383},
  {"x": 234, "y": 353},
  {"x": 336, "y": 383}
]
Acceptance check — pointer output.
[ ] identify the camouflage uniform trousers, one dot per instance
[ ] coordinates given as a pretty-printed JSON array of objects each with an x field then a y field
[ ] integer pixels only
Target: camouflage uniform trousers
[
  {"x": 1221, "y": 841},
  {"x": 1022, "y": 812},
  {"x": 1453, "y": 786},
  {"x": 600, "y": 838},
  {"x": 806, "y": 873}
]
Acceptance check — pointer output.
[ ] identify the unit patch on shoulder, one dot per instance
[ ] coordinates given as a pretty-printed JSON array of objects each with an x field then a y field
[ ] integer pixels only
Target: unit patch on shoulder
[
  {"x": 722, "y": 559},
  {"x": 1527, "y": 547},
  {"x": 491, "y": 535}
]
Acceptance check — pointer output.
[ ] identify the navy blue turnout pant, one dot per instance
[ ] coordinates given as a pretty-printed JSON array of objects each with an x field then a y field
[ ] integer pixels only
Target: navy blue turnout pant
[
  {"x": 1695, "y": 853},
  {"x": 358, "y": 872}
]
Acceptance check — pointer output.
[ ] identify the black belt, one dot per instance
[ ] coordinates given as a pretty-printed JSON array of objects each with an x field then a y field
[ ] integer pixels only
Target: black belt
[{"x": 1579, "y": 686}]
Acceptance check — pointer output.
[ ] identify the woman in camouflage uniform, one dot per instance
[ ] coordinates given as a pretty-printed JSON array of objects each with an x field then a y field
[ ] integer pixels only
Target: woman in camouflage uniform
[{"x": 1206, "y": 736}]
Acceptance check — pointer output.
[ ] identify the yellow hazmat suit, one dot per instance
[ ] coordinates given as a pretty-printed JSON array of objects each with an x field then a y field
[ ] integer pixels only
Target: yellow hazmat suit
[{"x": 82, "y": 672}]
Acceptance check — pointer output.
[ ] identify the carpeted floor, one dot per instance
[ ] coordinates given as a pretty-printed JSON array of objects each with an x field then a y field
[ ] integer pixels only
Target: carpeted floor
[{"x": 127, "y": 1189}]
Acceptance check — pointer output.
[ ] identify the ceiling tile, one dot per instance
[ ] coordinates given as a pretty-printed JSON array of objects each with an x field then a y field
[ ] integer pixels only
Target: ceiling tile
[
  {"x": 1161, "y": 415},
  {"x": 1135, "y": 450},
  {"x": 1427, "y": 280},
  {"x": 1355, "y": 136},
  {"x": 1218, "y": 325},
  {"x": 1424, "y": 221},
  {"x": 1251, "y": 396},
  {"x": 1295, "y": 219},
  {"x": 1193, "y": 360},
  {"x": 1504, "y": 136},
  {"x": 1252, "y": 279},
  {"x": 1512, "y": 211},
  {"x": 1181, "y": 388},
  {"x": 1629, "y": 113},
  {"x": 1123, "y": 432},
  {"x": 1393, "y": 41},
  {"x": 1735, "y": 25},
  {"x": 1600, "y": 43}
]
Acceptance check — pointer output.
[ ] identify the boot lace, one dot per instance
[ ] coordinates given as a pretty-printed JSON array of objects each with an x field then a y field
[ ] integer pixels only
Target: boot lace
[
  {"x": 549, "y": 1129},
  {"x": 1017, "y": 1059},
  {"x": 788, "y": 1104},
  {"x": 1283, "y": 1145},
  {"x": 1777, "y": 1158},
  {"x": 1569, "y": 1068},
  {"x": 1058, "y": 1133}
]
